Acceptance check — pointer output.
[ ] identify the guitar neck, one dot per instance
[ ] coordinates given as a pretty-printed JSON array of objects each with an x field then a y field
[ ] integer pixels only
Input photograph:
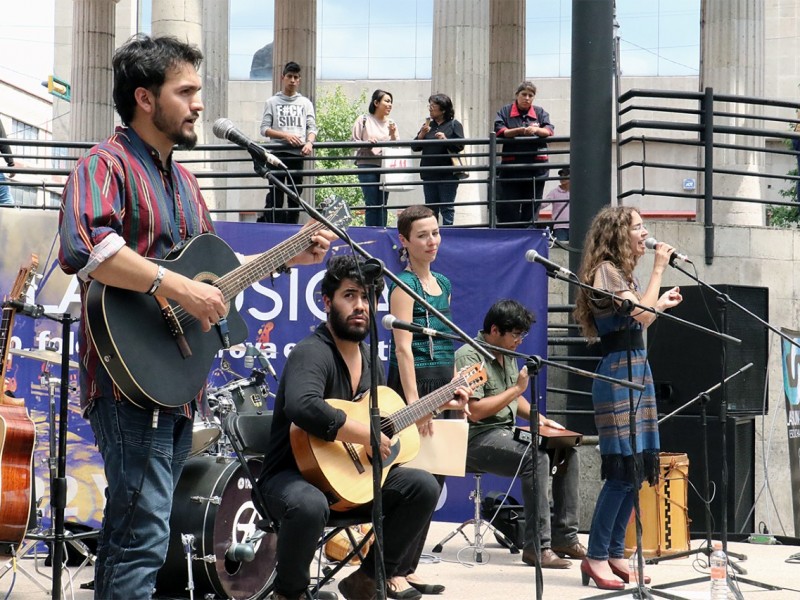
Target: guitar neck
[
  {"x": 267, "y": 263},
  {"x": 5, "y": 335},
  {"x": 425, "y": 405}
]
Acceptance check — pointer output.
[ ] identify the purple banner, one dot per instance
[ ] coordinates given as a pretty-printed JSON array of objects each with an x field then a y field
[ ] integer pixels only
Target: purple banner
[{"x": 483, "y": 265}]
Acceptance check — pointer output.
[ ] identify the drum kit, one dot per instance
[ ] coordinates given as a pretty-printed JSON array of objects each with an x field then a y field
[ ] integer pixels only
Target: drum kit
[{"x": 215, "y": 548}]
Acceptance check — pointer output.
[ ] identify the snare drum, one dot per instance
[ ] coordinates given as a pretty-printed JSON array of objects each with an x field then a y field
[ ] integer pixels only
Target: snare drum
[{"x": 212, "y": 503}]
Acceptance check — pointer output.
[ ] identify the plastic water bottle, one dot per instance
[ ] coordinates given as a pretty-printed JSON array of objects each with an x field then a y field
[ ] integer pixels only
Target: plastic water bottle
[{"x": 719, "y": 573}]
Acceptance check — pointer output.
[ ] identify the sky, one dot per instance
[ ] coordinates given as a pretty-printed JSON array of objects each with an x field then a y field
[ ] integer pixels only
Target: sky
[{"x": 26, "y": 42}]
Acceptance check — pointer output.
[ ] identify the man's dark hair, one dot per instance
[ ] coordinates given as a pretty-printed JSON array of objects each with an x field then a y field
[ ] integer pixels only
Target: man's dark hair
[
  {"x": 508, "y": 315},
  {"x": 144, "y": 62},
  {"x": 344, "y": 267},
  {"x": 291, "y": 67}
]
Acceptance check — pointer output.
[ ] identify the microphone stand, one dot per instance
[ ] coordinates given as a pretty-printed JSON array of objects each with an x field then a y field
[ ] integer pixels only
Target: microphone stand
[
  {"x": 626, "y": 307},
  {"x": 260, "y": 166},
  {"x": 722, "y": 300}
]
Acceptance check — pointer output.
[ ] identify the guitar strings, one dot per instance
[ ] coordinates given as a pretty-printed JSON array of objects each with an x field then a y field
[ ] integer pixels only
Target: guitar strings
[{"x": 258, "y": 268}]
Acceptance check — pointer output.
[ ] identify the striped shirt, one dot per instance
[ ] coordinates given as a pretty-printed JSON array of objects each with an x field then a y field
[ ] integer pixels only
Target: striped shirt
[{"x": 121, "y": 195}]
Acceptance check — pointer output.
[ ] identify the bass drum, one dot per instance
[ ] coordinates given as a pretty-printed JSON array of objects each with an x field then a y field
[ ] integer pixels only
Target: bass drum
[{"x": 212, "y": 503}]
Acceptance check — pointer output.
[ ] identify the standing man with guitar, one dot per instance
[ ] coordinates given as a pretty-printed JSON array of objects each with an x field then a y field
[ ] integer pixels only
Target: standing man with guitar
[
  {"x": 126, "y": 202},
  {"x": 333, "y": 362},
  {"x": 493, "y": 449}
]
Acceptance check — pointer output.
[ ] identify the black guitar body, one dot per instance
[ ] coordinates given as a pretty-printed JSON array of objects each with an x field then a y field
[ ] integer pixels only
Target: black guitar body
[{"x": 135, "y": 342}]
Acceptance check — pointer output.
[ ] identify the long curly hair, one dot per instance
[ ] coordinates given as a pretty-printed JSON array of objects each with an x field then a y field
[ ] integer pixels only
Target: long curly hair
[{"x": 608, "y": 240}]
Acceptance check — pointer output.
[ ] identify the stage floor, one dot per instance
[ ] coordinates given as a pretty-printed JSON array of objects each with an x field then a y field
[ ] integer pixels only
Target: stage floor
[{"x": 505, "y": 577}]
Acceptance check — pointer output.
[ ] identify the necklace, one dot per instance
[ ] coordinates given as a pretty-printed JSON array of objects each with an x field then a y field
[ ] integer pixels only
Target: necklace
[{"x": 426, "y": 285}]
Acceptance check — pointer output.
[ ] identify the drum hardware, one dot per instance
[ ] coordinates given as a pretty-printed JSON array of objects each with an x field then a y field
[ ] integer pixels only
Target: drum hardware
[{"x": 211, "y": 500}]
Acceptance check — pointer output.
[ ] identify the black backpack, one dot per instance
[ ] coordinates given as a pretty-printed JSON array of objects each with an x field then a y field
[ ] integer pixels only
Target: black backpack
[{"x": 510, "y": 519}]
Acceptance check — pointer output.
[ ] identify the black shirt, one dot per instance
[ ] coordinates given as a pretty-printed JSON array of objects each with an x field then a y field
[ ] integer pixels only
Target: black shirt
[{"x": 314, "y": 371}]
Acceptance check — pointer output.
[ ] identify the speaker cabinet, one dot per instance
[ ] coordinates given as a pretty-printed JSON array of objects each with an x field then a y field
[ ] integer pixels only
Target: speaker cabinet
[
  {"x": 686, "y": 362},
  {"x": 683, "y": 433}
]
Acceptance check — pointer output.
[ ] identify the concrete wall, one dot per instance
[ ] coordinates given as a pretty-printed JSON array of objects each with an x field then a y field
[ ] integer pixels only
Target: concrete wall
[{"x": 758, "y": 256}]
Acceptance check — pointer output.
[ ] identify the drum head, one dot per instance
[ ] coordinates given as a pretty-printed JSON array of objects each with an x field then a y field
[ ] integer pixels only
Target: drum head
[{"x": 213, "y": 503}]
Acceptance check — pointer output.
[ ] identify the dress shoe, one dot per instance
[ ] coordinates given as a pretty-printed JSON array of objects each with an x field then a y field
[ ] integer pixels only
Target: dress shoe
[
  {"x": 427, "y": 588},
  {"x": 576, "y": 550},
  {"x": 604, "y": 584},
  {"x": 625, "y": 576},
  {"x": 357, "y": 586},
  {"x": 550, "y": 560},
  {"x": 407, "y": 594}
]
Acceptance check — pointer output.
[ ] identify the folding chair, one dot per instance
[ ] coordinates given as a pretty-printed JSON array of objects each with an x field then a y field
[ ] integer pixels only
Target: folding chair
[{"x": 248, "y": 435}]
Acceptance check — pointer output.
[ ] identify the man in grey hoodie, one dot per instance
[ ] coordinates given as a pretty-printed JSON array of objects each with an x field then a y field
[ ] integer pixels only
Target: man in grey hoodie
[{"x": 288, "y": 118}]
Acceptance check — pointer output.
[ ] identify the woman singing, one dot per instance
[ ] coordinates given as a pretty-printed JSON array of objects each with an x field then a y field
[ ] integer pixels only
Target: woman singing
[{"x": 613, "y": 246}]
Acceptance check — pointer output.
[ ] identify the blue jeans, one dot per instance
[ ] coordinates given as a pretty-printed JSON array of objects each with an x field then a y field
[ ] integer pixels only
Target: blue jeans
[
  {"x": 440, "y": 195},
  {"x": 610, "y": 520},
  {"x": 5, "y": 193},
  {"x": 142, "y": 465},
  {"x": 496, "y": 451},
  {"x": 373, "y": 196}
]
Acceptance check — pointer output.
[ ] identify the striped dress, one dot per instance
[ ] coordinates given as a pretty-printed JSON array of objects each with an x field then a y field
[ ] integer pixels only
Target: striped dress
[{"x": 611, "y": 401}]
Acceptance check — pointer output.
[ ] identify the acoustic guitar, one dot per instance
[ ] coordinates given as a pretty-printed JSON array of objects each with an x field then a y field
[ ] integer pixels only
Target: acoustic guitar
[
  {"x": 154, "y": 351},
  {"x": 17, "y": 431},
  {"x": 342, "y": 470}
]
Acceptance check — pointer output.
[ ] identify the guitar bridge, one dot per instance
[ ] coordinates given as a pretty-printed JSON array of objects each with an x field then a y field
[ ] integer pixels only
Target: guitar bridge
[{"x": 174, "y": 326}]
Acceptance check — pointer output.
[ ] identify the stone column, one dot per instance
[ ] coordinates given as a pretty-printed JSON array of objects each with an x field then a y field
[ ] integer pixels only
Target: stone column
[
  {"x": 733, "y": 63},
  {"x": 215, "y": 72},
  {"x": 296, "y": 39},
  {"x": 461, "y": 70},
  {"x": 507, "y": 52},
  {"x": 91, "y": 106}
]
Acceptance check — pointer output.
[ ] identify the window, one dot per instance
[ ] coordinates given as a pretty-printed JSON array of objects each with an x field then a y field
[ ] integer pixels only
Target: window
[{"x": 657, "y": 38}]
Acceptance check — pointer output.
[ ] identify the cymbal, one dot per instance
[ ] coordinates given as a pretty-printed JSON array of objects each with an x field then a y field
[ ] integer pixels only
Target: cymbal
[{"x": 48, "y": 356}]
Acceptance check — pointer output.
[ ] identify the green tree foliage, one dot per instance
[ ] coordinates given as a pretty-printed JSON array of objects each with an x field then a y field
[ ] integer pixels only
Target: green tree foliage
[
  {"x": 779, "y": 215},
  {"x": 336, "y": 114}
]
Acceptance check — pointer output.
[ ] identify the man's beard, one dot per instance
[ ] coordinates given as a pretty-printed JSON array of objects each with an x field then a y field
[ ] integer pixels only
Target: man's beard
[
  {"x": 176, "y": 134},
  {"x": 343, "y": 330}
]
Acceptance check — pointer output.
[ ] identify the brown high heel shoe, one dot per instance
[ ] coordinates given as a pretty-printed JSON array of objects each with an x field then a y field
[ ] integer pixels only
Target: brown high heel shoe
[
  {"x": 625, "y": 576},
  {"x": 604, "y": 584}
]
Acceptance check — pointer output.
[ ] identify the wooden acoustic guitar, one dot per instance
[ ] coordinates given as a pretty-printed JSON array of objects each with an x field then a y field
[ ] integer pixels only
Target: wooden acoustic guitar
[
  {"x": 155, "y": 352},
  {"x": 342, "y": 470},
  {"x": 17, "y": 432}
]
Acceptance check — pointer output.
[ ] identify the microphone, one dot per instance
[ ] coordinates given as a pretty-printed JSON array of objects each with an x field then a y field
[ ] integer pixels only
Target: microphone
[
  {"x": 240, "y": 553},
  {"x": 31, "y": 310},
  {"x": 651, "y": 243},
  {"x": 226, "y": 130},
  {"x": 253, "y": 354},
  {"x": 392, "y": 322},
  {"x": 534, "y": 256}
]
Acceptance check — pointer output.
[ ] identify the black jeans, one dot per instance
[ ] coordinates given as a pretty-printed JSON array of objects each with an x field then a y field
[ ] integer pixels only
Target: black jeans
[
  {"x": 518, "y": 201},
  {"x": 409, "y": 498},
  {"x": 275, "y": 213}
]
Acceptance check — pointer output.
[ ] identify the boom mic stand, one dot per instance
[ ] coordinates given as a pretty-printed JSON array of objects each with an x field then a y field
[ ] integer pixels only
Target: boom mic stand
[
  {"x": 723, "y": 299},
  {"x": 626, "y": 306},
  {"x": 261, "y": 169}
]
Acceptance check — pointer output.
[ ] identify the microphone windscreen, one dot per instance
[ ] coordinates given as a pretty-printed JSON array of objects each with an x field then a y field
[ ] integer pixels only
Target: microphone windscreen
[
  {"x": 387, "y": 321},
  {"x": 651, "y": 243},
  {"x": 221, "y": 127}
]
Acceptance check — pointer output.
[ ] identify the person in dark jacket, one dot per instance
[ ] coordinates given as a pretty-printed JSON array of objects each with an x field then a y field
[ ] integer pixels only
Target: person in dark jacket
[
  {"x": 522, "y": 129},
  {"x": 440, "y": 187}
]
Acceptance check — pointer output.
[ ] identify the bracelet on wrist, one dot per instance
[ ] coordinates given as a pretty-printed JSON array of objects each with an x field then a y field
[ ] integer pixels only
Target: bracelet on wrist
[{"x": 157, "y": 281}]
